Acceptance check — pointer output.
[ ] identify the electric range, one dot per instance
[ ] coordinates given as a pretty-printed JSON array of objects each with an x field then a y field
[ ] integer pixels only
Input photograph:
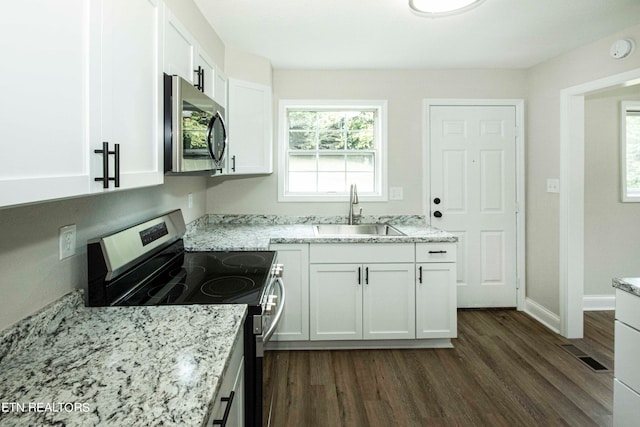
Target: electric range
[{"x": 146, "y": 264}]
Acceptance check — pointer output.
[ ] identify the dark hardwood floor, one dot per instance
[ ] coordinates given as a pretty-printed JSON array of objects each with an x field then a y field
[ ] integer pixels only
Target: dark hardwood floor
[{"x": 505, "y": 370}]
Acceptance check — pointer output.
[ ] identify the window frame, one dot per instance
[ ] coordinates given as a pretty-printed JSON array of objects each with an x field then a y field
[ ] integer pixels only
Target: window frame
[
  {"x": 380, "y": 164},
  {"x": 625, "y": 108}
]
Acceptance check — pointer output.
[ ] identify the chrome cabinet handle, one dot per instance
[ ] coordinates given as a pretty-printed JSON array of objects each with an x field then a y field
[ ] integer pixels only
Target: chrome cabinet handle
[{"x": 420, "y": 276}]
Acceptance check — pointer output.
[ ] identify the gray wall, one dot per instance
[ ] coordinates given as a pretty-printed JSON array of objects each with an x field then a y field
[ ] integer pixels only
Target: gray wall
[
  {"x": 545, "y": 81},
  {"x": 611, "y": 228},
  {"x": 405, "y": 90}
]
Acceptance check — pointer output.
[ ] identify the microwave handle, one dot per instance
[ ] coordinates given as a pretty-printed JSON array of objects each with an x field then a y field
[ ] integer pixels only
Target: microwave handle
[{"x": 216, "y": 116}]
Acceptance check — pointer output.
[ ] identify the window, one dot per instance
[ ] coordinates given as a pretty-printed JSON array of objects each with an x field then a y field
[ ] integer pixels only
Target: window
[
  {"x": 630, "y": 149},
  {"x": 325, "y": 146}
]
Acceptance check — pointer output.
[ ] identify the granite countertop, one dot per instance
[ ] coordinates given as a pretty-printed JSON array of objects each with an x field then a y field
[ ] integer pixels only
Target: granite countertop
[
  {"x": 256, "y": 232},
  {"x": 628, "y": 284},
  {"x": 115, "y": 366}
]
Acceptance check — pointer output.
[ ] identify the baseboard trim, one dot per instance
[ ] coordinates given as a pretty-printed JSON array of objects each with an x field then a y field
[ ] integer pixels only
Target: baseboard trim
[
  {"x": 599, "y": 302},
  {"x": 360, "y": 345},
  {"x": 542, "y": 315}
]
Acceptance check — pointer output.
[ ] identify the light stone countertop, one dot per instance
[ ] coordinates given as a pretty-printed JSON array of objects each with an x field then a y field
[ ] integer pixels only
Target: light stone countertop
[
  {"x": 120, "y": 366},
  {"x": 628, "y": 284},
  {"x": 256, "y": 232}
]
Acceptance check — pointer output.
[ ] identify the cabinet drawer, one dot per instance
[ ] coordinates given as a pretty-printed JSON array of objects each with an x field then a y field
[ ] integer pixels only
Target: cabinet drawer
[
  {"x": 321, "y": 253},
  {"x": 435, "y": 252},
  {"x": 628, "y": 308},
  {"x": 627, "y": 349},
  {"x": 625, "y": 405}
]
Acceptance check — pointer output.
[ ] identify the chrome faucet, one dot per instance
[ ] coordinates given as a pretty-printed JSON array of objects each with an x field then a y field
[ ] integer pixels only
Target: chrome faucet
[{"x": 353, "y": 200}]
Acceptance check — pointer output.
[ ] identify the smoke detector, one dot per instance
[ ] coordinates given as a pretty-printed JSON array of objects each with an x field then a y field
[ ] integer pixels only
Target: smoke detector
[{"x": 621, "y": 48}]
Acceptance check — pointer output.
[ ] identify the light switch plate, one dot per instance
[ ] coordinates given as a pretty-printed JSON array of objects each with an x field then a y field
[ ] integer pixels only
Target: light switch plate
[
  {"x": 395, "y": 193},
  {"x": 553, "y": 185},
  {"x": 67, "y": 241}
]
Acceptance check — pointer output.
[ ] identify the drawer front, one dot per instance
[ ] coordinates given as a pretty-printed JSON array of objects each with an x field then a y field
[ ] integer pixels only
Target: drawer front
[
  {"x": 435, "y": 252},
  {"x": 333, "y": 253},
  {"x": 627, "y": 349},
  {"x": 628, "y": 308},
  {"x": 625, "y": 405}
]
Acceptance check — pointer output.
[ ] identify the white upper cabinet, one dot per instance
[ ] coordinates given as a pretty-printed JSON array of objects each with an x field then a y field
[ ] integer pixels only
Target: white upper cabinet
[
  {"x": 220, "y": 88},
  {"x": 207, "y": 68},
  {"x": 179, "y": 49},
  {"x": 92, "y": 76},
  {"x": 130, "y": 94},
  {"x": 44, "y": 100},
  {"x": 250, "y": 128}
]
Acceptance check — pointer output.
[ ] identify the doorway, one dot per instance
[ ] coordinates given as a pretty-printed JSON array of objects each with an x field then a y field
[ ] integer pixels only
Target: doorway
[
  {"x": 572, "y": 198},
  {"x": 474, "y": 181}
]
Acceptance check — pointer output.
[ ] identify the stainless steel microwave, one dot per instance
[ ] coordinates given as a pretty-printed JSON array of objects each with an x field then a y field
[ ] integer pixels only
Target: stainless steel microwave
[{"x": 195, "y": 136}]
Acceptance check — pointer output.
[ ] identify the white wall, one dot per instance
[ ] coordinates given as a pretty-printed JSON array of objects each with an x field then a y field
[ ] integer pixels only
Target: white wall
[
  {"x": 612, "y": 228},
  {"x": 545, "y": 81},
  {"x": 404, "y": 90},
  {"x": 31, "y": 276}
]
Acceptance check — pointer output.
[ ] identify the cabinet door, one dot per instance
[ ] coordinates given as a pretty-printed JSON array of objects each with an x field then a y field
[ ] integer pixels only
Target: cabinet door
[
  {"x": 44, "y": 102},
  {"x": 209, "y": 72},
  {"x": 436, "y": 315},
  {"x": 131, "y": 90},
  {"x": 294, "y": 323},
  {"x": 220, "y": 88},
  {"x": 389, "y": 301},
  {"x": 335, "y": 306},
  {"x": 250, "y": 130},
  {"x": 179, "y": 49}
]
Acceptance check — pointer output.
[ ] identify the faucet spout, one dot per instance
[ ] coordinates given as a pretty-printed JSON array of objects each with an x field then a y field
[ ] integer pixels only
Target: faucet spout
[{"x": 353, "y": 200}]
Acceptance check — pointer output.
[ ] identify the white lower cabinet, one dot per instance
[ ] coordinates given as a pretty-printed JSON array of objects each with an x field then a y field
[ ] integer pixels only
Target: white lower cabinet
[
  {"x": 370, "y": 300},
  {"x": 388, "y": 301},
  {"x": 294, "y": 323},
  {"x": 230, "y": 397},
  {"x": 436, "y": 315},
  {"x": 626, "y": 386}
]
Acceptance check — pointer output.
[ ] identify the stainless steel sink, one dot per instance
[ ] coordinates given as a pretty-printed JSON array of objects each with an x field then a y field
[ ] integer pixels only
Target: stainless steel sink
[{"x": 357, "y": 229}]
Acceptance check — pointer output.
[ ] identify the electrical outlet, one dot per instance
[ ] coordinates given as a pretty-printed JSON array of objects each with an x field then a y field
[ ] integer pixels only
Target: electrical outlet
[
  {"x": 553, "y": 185},
  {"x": 67, "y": 241}
]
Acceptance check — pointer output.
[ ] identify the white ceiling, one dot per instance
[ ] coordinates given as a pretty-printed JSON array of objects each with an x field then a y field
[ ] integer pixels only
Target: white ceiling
[{"x": 347, "y": 34}]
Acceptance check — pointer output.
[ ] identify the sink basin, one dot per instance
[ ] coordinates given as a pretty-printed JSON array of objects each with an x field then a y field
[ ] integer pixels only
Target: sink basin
[{"x": 359, "y": 229}]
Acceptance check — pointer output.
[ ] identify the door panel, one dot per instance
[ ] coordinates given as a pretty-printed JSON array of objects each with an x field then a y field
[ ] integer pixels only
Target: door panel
[
  {"x": 389, "y": 299},
  {"x": 335, "y": 309},
  {"x": 473, "y": 173}
]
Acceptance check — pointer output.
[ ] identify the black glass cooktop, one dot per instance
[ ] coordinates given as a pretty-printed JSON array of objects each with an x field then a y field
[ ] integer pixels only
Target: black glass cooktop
[{"x": 234, "y": 277}]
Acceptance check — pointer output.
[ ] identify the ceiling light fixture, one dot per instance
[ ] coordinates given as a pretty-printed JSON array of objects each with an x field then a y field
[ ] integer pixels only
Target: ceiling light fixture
[{"x": 436, "y": 8}]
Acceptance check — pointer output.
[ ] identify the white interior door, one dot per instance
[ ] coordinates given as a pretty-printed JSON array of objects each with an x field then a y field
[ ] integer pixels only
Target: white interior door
[{"x": 473, "y": 195}]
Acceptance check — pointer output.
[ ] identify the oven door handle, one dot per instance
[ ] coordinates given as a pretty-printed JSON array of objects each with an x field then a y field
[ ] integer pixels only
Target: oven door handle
[{"x": 276, "y": 319}]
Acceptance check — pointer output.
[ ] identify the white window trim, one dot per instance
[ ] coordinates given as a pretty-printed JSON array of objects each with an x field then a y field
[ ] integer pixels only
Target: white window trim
[
  {"x": 284, "y": 104},
  {"x": 626, "y": 106}
]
